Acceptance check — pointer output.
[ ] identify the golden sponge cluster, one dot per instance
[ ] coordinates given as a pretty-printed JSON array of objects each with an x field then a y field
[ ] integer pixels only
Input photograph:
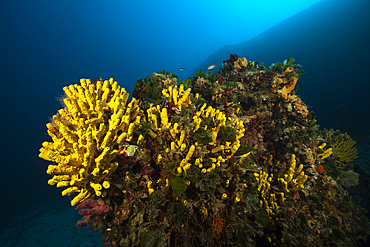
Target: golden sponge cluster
[{"x": 84, "y": 134}]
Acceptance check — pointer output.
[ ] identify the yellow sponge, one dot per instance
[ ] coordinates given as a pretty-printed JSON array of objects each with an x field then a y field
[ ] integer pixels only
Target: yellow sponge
[{"x": 84, "y": 133}]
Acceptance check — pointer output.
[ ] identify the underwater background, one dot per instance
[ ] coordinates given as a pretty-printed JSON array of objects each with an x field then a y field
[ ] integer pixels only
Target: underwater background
[{"x": 46, "y": 45}]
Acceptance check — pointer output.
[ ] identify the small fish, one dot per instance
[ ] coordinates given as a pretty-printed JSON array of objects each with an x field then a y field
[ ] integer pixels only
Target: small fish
[
  {"x": 182, "y": 69},
  {"x": 211, "y": 66}
]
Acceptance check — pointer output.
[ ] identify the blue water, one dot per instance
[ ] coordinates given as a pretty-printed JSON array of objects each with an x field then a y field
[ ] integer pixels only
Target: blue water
[{"x": 48, "y": 44}]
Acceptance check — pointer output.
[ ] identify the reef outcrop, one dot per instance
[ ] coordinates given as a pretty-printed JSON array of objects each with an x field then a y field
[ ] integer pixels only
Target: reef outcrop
[{"x": 233, "y": 158}]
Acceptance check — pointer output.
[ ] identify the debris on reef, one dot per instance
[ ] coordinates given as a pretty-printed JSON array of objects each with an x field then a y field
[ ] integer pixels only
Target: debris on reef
[{"x": 233, "y": 158}]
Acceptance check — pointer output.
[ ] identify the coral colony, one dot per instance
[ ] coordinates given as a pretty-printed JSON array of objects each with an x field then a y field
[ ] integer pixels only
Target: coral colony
[{"x": 227, "y": 159}]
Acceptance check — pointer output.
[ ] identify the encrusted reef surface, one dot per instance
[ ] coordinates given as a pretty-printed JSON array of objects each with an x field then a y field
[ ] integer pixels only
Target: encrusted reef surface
[{"x": 233, "y": 158}]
